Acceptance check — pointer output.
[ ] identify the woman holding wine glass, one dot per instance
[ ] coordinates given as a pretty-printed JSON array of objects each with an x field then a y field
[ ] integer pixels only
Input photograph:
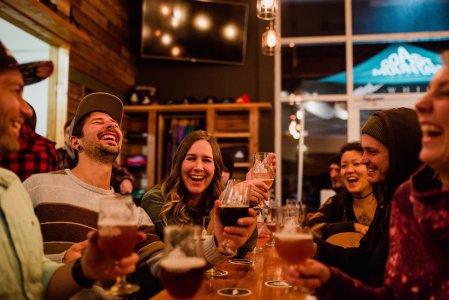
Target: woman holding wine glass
[{"x": 190, "y": 191}]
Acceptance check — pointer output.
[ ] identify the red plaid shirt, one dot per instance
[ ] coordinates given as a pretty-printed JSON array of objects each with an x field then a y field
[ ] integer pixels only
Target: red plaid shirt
[{"x": 37, "y": 154}]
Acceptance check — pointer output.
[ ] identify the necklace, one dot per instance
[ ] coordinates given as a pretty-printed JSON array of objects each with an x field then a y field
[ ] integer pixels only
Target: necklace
[{"x": 363, "y": 197}]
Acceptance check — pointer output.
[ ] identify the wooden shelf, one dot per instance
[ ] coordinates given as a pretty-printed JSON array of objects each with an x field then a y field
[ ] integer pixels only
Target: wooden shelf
[
  {"x": 242, "y": 165},
  {"x": 231, "y": 135},
  {"x": 196, "y": 107},
  {"x": 42, "y": 21},
  {"x": 235, "y": 125}
]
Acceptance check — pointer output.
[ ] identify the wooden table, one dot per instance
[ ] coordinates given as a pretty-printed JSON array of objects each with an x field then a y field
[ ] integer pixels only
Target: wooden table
[{"x": 266, "y": 266}]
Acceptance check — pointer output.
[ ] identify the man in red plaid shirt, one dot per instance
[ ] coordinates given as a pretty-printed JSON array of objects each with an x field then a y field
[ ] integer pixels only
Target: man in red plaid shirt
[{"x": 37, "y": 154}]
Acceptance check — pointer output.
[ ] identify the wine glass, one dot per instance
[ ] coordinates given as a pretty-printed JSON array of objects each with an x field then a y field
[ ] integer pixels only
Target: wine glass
[
  {"x": 183, "y": 263},
  {"x": 262, "y": 169},
  {"x": 271, "y": 221},
  {"x": 117, "y": 237},
  {"x": 234, "y": 205},
  {"x": 214, "y": 271},
  {"x": 293, "y": 240}
]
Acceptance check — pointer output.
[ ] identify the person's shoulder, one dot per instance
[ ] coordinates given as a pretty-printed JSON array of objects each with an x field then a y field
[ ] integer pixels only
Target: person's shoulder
[
  {"x": 42, "y": 179},
  {"x": 7, "y": 177},
  {"x": 154, "y": 194},
  {"x": 152, "y": 201}
]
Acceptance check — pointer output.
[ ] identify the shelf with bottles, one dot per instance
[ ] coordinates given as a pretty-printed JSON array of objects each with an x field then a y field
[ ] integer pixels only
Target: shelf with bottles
[{"x": 234, "y": 125}]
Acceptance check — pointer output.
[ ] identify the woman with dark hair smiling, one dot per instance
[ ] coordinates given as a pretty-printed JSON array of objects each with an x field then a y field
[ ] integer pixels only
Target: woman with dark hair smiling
[{"x": 351, "y": 210}]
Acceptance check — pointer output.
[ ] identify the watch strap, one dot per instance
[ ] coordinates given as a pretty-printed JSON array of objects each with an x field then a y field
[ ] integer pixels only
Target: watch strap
[{"x": 78, "y": 275}]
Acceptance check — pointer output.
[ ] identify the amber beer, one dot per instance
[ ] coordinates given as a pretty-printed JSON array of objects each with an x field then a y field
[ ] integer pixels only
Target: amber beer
[
  {"x": 271, "y": 226},
  {"x": 117, "y": 240},
  {"x": 268, "y": 182},
  {"x": 230, "y": 214},
  {"x": 294, "y": 248},
  {"x": 182, "y": 276}
]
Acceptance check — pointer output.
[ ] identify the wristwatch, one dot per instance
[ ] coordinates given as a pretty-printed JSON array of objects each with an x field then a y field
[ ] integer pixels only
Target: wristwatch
[{"x": 78, "y": 275}]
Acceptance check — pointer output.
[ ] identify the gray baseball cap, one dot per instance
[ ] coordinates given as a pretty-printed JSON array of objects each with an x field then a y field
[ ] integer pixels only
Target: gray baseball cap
[{"x": 99, "y": 102}]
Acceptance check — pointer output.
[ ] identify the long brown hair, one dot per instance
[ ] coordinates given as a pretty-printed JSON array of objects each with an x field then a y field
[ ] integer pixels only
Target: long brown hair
[{"x": 173, "y": 189}]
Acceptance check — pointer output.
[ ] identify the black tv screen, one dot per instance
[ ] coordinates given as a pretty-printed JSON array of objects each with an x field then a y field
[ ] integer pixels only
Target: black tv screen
[{"x": 194, "y": 30}]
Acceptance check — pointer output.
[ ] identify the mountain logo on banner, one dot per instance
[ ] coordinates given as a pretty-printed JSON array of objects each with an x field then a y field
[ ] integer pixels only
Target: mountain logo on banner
[
  {"x": 399, "y": 64},
  {"x": 404, "y": 63}
]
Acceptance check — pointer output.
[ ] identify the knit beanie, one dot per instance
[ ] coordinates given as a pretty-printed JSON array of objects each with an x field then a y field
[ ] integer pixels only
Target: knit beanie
[{"x": 375, "y": 128}]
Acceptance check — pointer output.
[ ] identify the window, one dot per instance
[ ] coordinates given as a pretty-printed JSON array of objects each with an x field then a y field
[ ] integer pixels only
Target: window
[{"x": 325, "y": 69}]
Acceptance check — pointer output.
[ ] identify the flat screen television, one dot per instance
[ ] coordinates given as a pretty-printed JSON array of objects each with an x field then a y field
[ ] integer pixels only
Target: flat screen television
[{"x": 194, "y": 30}]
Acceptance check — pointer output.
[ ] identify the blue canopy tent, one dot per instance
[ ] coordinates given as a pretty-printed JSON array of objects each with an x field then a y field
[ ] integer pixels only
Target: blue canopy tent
[{"x": 399, "y": 64}]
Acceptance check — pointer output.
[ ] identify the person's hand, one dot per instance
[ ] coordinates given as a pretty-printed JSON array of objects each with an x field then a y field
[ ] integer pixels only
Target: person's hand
[
  {"x": 311, "y": 274},
  {"x": 74, "y": 252},
  {"x": 360, "y": 228},
  {"x": 126, "y": 187},
  {"x": 272, "y": 157},
  {"x": 237, "y": 236},
  {"x": 258, "y": 191},
  {"x": 99, "y": 266}
]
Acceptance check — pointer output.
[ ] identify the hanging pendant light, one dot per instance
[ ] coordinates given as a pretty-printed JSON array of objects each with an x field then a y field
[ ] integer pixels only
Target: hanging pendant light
[
  {"x": 267, "y": 9},
  {"x": 271, "y": 41}
]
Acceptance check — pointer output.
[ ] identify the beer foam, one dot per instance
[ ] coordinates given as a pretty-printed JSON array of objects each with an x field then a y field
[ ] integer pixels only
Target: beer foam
[
  {"x": 293, "y": 237},
  {"x": 231, "y": 205},
  {"x": 113, "y": 223},
  {"x": 182, "y": 264}
]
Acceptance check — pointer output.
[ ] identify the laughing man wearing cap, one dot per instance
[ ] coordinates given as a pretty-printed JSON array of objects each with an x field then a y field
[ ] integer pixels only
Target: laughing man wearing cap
[
  {"x": 26, "y": 273},
  {"x": 66, "y": 216},
  {"x": 391, "y": 141},
  {"x": 96, "y": 136}
]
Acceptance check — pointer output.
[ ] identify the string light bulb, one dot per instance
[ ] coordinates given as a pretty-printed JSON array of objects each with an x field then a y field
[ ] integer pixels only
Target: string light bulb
[
  {"x": 271, "y": 41},
  {"x": 267, "y": 9}
]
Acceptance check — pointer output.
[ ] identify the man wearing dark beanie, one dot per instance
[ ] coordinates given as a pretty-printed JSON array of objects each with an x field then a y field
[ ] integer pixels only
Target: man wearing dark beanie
[{"x": 391, "y": 141}]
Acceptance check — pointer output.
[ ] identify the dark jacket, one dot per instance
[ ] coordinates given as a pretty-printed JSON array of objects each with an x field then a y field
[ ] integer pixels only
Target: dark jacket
[
  {"x": 367, "y": 262},
  {"x": 336, "y": 215}
]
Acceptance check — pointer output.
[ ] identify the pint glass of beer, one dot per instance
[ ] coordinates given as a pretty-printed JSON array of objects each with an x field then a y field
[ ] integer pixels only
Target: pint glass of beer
[
  {"x": 117, "y": 236},
  {"x": 183, "y": 263}
]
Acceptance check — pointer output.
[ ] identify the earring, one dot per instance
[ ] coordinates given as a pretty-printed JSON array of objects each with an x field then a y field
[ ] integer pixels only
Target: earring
[{"x": 79, "y": 148}]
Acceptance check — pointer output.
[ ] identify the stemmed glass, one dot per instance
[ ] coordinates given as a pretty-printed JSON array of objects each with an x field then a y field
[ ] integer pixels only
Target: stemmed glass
[
  {"x": 214, "y": 271},
  {"x": 183, "y": 263},
  {"x": 262, "y": 169},
  {"x": 117, "y": 233},
  {"x": 271, "y": 221},
  {"x": 234, "y": 205},
  {"x": 293, "y": 240}
]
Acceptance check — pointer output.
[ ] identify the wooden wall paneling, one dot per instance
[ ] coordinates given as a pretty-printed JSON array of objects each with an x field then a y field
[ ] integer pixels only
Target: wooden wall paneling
[
  {"x": 54, "y": 27},
  {"x": 104, "y": 60},
  {"x": 78, "y": 62}
]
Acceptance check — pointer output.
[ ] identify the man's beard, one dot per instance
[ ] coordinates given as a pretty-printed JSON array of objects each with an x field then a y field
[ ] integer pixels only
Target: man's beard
[{"x": 104, "y": 154}]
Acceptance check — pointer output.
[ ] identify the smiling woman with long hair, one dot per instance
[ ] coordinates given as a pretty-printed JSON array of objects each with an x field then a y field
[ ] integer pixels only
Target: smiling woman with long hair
[{"x": 190, "y": 190}]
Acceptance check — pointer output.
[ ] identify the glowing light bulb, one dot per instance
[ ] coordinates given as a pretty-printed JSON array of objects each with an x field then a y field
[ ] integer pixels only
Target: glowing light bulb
[
  {"x": 166, "y": 39},
  {"x": 271, "y": 39},
  {"x": 230, "y": 32},
  {"x": 267, "y": 3}
]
